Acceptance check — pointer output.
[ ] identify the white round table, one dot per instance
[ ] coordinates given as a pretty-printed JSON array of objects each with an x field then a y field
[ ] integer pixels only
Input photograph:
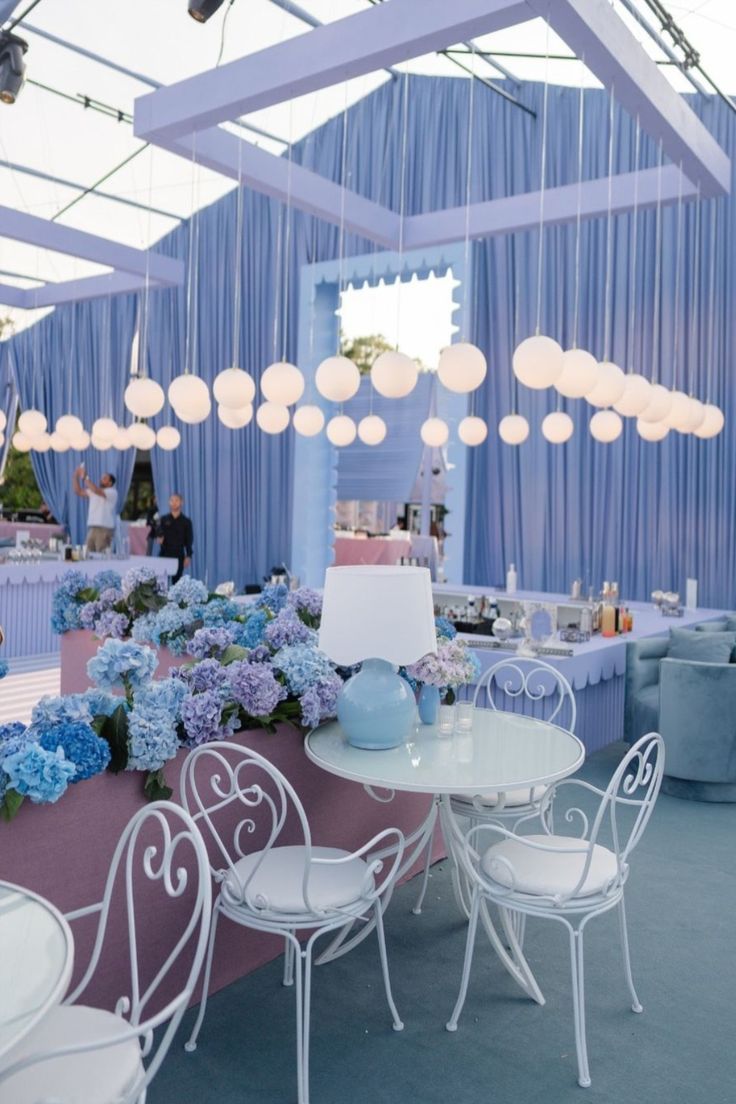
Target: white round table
[{"x": 36, "y": 960}]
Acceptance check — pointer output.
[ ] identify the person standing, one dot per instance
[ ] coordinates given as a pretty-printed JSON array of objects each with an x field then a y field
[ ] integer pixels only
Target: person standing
[
  {"x": 103, "y": 500},
  {"x": 175, "y": 535}
]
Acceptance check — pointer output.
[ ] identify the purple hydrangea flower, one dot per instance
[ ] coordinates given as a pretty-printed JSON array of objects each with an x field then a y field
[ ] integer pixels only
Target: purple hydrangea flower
[
  {"x": 207, "y": 675},
  {"x": 255, "y": 687},
  {"x": 88, "y": 614},
  {"x": 319, "y": 701},
  {"x": 209, "y": 642},
  {"x": 112, "y": 624},
  {"x": 306, "y": 600},
  {"x": 288, "y": 628},
  {"x": 201, "y": 716}
]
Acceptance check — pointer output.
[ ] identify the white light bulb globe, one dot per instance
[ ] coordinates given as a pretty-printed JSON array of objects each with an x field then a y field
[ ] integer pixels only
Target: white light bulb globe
[
  {"x": 472, "y": 431},
  {"x": 462, "y": 367},
  {"x": 558, "y": 427},
  {"x": 141, "y": 436},
  {"x": 282, "y": 383},
  {"x": 41, "y": 443},
  {"x": 102, "y": 444},
  {"x": 2, "y": 438},
  {"x": 59, "y": 443},
  {"x": 33, "y": 423},
  {"x": 513, "y": 429},
  {"x": 121, "y": 441},
  {"x": 679, "y": 411},
  {"x": 20, "y": 442},
  {"x": 104, "y": 429},
  {"x": 235, "y": 419},
  {"x": 168, "y": 438},
  {"x": 308, "y": 420},
  {"x": 696, "y": 415},
  {"x": 434, "y": 432},
  {"x": 712, "y": 424},
  {"x": 659, "y": 405},
  {"x": 394, "y": 374},
  {"x": 69, "y": 426},
  {"x": 537, "y": 362},
  {"x": 3, "y": 421},
  {"x": 579, "y": 374},
  {"x": 606, "y": 426},
  {"x": 651, "y": 431},
  {"x": 81, "y": 441},
  {"x": 233, "y": 388},
  {"x": 636, "y": 396},
  {"x": 337, "y": 379},
  {"x": 144, "y": 397},
  {"x": 609, "y": 387},
  {"x": 341, "y": 431},
  {"x": 194, "y": 417},
  {"x": 272, "y": 417},
  {"x": 372, "y": 429},
  {"x": 189, "y": 394}
]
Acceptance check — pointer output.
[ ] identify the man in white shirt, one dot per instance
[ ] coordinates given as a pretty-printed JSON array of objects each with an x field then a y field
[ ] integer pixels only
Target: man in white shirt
[{"x": 103, "y": 500}]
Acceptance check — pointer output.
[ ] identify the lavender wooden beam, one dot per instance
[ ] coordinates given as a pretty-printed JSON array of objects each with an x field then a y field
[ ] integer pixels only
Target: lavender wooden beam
[
  {"x": 11, "y": 296},
  {"x": 87, "y": 287}
]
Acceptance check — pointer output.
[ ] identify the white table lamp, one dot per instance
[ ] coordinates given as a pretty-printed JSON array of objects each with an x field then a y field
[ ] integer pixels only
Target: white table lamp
[{"x": 380, "y": 617}]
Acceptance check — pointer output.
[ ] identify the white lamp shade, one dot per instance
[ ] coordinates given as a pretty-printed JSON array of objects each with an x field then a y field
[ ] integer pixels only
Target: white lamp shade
[
  {"x": 472, "y": 430},
  {"x": 20, "y": 442},
  {"x": 32, "y": 422},
  {"x": 651, "y": 431},
  {"x": 579, "y": 374},
  {"x": 462, "y": 367},
  {"x": 394, "y": 374},
  {"x": 609, "y": 386},
  {"x": 513, "y": 429},
  {"x": 69, "y": 426},
  {"x": 659, "y": 405},
  {"x": 189, "y": 394},
  {"x": 712, "y": 424},
  {"x": 194, "y": 417},
  {"x": 558, "y": 427},
  {"x": 337, "y": 379},
  {"x": 606, "y": 426},
  {"x": 282, "y": 383},
  {"x": 537, "y": 362},
  {"x": 102, "y": 444},
  {"x": 679, "y": 411},
  {"x": 3, "y": 421},
  {"x": 59, "y": 443},
  {"x": 696, "y": 416},
  {"x": 144, "y": 397},
  {"x": 141, "y": 436},
  {"x": 309, "y": 420},
  {"x": 434, "y": 432},
  {"x": 41, "y": 443},
  {"x": 272, "y": 417},
  {"x": 341, "y": 431},
  {"x": 377, "y": 612},
  {"x": 105, "y": 428},
  {"x": 372, "y": 429},
  {"x": 637, "y": 392},
  {"x": 121, "y": 441},
  {"x": 168, "y": 438},
  {"x": 234, "y": 388},
  {"x": 80, "y": 441},
  {"x": 235, "y": 419}
]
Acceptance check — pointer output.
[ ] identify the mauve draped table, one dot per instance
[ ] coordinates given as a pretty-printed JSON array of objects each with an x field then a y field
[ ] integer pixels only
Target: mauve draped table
[
  {"x": 36, "y": 530},
  {"x": 371, "y": 550}
]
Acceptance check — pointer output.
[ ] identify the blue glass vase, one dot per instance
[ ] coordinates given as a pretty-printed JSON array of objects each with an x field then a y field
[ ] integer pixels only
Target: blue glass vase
[{"x": 428, "y": 703}]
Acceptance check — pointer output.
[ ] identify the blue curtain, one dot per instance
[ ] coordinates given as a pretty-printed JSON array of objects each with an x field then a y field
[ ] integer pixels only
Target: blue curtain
[{"x": 8, "y": 405}]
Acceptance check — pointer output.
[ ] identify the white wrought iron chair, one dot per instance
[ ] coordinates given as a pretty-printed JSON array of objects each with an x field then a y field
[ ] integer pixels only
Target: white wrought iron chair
[
  {"x": 278, "y": 887},
  {"x": 566, "y": 878},
  {"x": 83, "y": 1055}
]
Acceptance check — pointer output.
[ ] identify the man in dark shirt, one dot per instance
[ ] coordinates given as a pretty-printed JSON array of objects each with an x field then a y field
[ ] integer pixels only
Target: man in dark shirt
[{"x": 175, "y": 535}]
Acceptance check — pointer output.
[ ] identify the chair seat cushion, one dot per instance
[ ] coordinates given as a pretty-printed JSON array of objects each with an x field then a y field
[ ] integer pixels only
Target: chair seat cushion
[
  {"x": 277, "y": 883},
  {"x": 514, "y": 798},
  {"x": 547, "y": 873},
  {"x": 646, "y": 710},
  {"x": 92, "y": 1077}
]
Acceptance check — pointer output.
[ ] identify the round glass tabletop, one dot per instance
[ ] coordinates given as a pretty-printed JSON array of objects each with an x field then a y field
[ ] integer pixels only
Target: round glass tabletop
[
  {"x": 36, "y": 958},
  {"x": 502, "y": 752}
]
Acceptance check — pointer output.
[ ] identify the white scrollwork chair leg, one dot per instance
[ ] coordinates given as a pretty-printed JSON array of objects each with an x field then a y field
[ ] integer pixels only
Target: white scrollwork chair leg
[
  {"x": 425, "y": 876},
  {"x": 288, "y": 962},
  {"x": 191, "y": 1043},
  {"x": 578, "y": 999},
  {"x": 398, "y": 1025},
  {"x": 469, "y": 945},
  {"x": 635, "y": 1003}
]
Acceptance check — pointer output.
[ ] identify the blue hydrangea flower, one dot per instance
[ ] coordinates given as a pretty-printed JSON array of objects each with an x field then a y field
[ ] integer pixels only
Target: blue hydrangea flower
[
  {"x": 188, "y": 592},
  {"x": 306, "y": 600},
  {"x": 250, "y": 633},
  {"x": 108, "y": 580},
  {"x": 3, "y": 668},
  {"x": 219, "y": 611},
  {"x": 445, "y": 628},
  {"x": 52, "y": 711},
  {"x": 255, "y": 687},
  {"x": 65, "y": 605},
  {"x": 38, "y": 774},
  {"x": 152, "y": 725},
  {"x": 137, "y": 576},
  {"x": 88, "y": 614},
  {"x": 209, "y": 642},
  {"x": 121, "y": 662},
  {"x": 100, "y": 703},
  {"x": 13, "y": 738},
  {"x": 288, "y": 628},
  {"x": 110, "y": 596},
  {"x": 303, "y": 666},
  {"x": 113, "y": 624},
  {"x": 274, "y": 596},
  {"x": 143, "y": 628},
  {"x": 81, "y": 746},
  {"x": 208, "y": 675}
]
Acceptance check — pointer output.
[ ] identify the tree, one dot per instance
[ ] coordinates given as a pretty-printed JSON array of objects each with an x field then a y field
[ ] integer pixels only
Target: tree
[
  {"x": 18, "y": 489},
  {"x": 364, "y": 350}
]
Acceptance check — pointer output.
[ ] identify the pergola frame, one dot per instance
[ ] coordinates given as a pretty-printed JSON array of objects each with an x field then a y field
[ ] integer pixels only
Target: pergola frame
[{"x": 184, "y": 117}]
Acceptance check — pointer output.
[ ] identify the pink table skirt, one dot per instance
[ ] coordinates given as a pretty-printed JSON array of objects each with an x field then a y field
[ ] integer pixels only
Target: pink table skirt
[
  {"x": 78, "y": 647},
  {"x": 37, "y": 530},
  {"x": 370, "y": 550},
  {"x": 138, "y": 539}
]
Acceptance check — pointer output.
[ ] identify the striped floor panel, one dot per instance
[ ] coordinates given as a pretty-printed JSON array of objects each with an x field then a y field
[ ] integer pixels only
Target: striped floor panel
[{"x": 27, "y": 680}]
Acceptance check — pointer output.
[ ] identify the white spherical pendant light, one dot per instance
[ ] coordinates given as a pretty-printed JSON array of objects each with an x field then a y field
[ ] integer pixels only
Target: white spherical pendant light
[
  {"x": 472, "y": 430},
  {"x": 337, "y": 379},
  {"x": 651, "y": 431},
  {"x": 513, "y": 429},
  {"x": 144, "y": 397},
  {"x": 41, "y": 443},
  {"x": 59, "y": 443},
  {"x": 189, "y": 394},
  {"x": 32, "y": 422},
  {"x": 659, "y": 405},
  {"x": 434, "y": 432},
  {"x": 20, "y": 442},
  {"x": 3, "y": 421},
  {"x": 537, "y": 362},
  {"x": 282, "y": 383},
  {"x": 679, "y": 411},
  {"x": 81, "y": 441},
  {"x": 102, "y": 444},
  {"x": 272, "y": 417},
  {"x": 696, "y": 415},
  {"x": 194, "y": 417},
  {"x": 141, "y": 436},
  {"x": 579, "y": 374},
  {"x": 637, "y": 392},
  {"x": 104, "y": 429},
  {"x": 235, "y": 419},
  {"x": 558, "y": 427},
  {"x": 168, "y": 438},
  {"x": 394, "y": 374},
  {"x": 609, "y": 387},
  {"x": 2, "y": 438},
  {"x": 308, "y": 420},
  {"x": 606, "y": 426},
  {"x": 462, "y": 367},
  {"x": 712, "y": 424},
  {"x": 69, "y": 426},
  {"x": 341, "y": 430},
  {"x": 234, "y": 388},
  {"x": 372, "y": 429},
  {"x": 121, "y": 441}
]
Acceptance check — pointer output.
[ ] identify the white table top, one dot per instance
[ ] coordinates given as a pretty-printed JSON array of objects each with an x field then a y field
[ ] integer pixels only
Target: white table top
[
  {"x": 36, "y": 959},
  {"x": 504, "y": 751}
]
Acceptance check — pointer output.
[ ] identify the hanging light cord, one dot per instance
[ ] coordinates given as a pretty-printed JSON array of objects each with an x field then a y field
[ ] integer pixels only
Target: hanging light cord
[
  {"x": 195, "y": 288},
  {"x": 517, "y": 319},
  {"x": 238, "y": 257},
  {"x": 190, "y": 273},
  {"x": 579, "y": 211},
  {"x": 695, "y": 328},
  {"x": 542, "y": 173},
  {"x": 277, "y": 295},
  {"x": 712, "y": 288},
  {"x": 609, "y": 235},
  {"x": 657, "y": 269},
  {"x": 341, "y": 235},
  {"x": 678, "y": 255},
  {"x": 634, "y": 244},
  {"x": 287, "y": 243},
  {"x": 402, "y": 199},
  {"x": 468, "y": 181},
  {"x": 143, "y": 344}
]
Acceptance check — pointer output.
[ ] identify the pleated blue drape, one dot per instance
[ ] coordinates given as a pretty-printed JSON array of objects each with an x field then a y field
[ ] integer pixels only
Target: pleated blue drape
[{"x": 8, "y": 403}]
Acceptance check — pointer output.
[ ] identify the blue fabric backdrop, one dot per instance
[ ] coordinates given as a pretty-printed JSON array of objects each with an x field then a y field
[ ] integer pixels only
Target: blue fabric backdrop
[{"x": 8, "y": 403}]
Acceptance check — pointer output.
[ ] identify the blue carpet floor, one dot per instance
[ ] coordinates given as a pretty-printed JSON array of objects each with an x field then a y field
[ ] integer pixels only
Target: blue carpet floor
[{"x": 681, "y": 901}]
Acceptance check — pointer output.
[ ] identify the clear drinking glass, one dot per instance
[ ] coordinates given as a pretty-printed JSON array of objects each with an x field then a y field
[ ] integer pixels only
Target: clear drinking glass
[
  {"x": 464, "y": 716},
  {"x": 446, "y": 720}
]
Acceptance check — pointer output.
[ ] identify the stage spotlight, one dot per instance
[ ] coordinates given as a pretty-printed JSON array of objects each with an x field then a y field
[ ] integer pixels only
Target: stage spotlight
[
  {"x": 201, "y": 10},
  {"x": 12, "y": 66}
]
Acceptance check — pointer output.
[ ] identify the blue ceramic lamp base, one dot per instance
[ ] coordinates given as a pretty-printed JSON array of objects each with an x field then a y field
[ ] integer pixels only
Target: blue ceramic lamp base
[{"x": 376, "y": 707}]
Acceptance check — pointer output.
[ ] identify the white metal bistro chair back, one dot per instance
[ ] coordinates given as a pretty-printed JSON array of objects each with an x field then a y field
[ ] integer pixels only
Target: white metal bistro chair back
[{"x": 528, "y": 681}]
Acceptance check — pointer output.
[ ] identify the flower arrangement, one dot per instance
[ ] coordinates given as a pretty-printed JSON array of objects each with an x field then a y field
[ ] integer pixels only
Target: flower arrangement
[
  {"x": 454, "y": 664},
  {"x": 107, "y": 604}
]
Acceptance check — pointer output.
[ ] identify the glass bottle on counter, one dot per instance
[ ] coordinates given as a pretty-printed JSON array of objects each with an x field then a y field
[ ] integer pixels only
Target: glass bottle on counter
[{"x": 608, "y": 620}]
